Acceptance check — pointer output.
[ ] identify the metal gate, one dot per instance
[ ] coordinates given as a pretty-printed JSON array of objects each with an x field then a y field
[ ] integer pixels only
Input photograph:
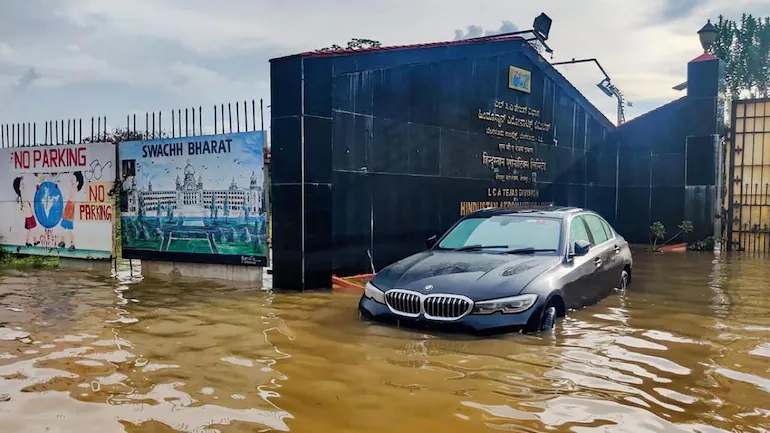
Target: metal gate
[{"x": 748, "y": 182}]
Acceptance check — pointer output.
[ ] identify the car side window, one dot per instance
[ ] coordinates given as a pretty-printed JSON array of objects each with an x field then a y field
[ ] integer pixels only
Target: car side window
[
  {"x": 577, "y": 232},
  {"x": 597, "y": 229},
  {"x": 607, "y": 229}
]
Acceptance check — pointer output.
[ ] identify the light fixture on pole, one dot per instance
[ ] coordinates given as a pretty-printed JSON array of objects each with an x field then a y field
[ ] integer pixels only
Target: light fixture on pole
[
  {"x": 707, "y": 35},
  {"x": 611, "y": 90},
  {"x": 541, "y": 29},
  {"x": 606, "y": 87}
]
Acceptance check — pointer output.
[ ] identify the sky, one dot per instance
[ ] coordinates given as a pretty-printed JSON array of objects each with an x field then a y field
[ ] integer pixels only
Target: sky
[
  {"x": 62, "y": 59},
  {"x": 217, "y": 171}
]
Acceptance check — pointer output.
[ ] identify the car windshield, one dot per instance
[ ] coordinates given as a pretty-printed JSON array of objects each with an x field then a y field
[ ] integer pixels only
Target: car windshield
[{"x": 505, "y": 232}]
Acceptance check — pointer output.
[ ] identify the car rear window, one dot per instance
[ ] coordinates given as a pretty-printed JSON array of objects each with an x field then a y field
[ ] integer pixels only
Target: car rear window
[{"x": 513, "y": 231}]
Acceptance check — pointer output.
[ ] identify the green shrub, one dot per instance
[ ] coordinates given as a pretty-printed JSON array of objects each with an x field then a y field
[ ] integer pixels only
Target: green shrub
[{"x": 658, "y": 230}]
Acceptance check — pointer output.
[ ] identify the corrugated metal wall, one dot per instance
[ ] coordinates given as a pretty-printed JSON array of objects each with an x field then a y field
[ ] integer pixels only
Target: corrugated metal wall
[
  {"x": 408, "y": 146},
  {"x": 375, "y": 151}
]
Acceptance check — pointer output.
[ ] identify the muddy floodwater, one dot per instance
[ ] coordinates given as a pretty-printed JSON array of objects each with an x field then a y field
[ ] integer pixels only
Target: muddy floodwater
[{"x": 685, "y": 349}]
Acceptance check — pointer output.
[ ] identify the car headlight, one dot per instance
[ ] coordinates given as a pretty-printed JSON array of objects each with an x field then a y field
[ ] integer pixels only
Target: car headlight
[
  {"x": 513, "y": 304},
  {"x": 374, "y": 293}
]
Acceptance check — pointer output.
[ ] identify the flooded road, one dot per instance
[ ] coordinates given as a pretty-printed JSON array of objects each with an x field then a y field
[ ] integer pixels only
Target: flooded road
[{"x": 685, "y": 349}]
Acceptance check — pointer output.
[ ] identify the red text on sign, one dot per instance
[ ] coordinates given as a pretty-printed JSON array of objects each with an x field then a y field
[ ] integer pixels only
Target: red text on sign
[
  {"x": 96, "y": 193},
  {"x": 95, "y": 212},
  {"x": 69, "y": 157}
]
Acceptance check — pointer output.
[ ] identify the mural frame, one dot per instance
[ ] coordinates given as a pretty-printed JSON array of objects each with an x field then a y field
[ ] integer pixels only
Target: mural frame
[{"x": 183, "y": 219}]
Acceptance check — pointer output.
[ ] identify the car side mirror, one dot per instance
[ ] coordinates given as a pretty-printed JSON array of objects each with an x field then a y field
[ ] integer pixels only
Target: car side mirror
[
  {"x": 430, "y": 242},
  {"x": 581, "y": 248}
]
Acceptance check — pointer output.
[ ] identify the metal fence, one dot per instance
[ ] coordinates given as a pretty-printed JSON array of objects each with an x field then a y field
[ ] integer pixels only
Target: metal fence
[
  {"x": 188, "y": 122},
  {"x": 748, "y": 179}
]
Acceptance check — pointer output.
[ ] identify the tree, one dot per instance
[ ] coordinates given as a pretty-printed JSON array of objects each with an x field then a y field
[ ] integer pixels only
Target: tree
[
  {"x": 657, "y": 230},
  {"x": 685, "y": 229},
  {"x": 355, "y": 44},
  {"x": 744, "y": 46},
  {"x": 121, "y": 135}
]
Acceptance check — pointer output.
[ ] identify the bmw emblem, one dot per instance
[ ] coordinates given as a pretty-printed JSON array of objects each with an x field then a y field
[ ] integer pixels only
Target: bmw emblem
[{"x": 428, "y": 288}]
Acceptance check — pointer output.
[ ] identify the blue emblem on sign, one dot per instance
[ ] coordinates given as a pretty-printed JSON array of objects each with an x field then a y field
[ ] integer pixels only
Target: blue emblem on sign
[
  {"x": 49, "y": 205},
  {"x": 520, "y": 79}
]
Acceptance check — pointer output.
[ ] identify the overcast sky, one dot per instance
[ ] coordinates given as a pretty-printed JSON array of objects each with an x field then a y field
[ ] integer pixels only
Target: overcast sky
[{"x": 80, "y": 58}]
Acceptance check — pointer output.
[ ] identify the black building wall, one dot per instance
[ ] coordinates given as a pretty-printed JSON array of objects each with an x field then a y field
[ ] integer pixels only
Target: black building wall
[
  {"x": 666, "y": 159},
  {"x": 377, "y": 150}
]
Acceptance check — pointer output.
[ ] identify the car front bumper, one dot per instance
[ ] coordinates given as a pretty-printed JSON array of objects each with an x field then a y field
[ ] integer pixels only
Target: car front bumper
[{"x": 474, "y": 323}]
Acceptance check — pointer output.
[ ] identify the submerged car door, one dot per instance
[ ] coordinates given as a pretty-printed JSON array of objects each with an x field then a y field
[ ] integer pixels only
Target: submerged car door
[
  {"x": 580, "y": 281},
  {"x": 615, "y": 246},
  {"x": 603, "y": 248}
]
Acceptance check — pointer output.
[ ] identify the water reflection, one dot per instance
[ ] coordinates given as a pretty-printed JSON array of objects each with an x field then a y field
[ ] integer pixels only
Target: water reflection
[{"x": 685, "y": 349}]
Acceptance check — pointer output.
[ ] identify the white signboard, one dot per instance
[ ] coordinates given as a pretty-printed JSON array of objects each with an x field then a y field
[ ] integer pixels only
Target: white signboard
[{"x": 54, "y": 200}]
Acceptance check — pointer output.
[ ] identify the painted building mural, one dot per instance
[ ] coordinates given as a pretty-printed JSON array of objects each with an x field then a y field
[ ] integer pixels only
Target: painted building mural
[
  {"x": 198, "y": 199},
  {"x": 55, "y": 200}
]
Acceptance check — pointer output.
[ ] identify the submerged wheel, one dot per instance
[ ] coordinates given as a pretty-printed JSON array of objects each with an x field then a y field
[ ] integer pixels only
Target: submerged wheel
[
  {"x": 624, "y": 280},
  {"x": 549, "y": 318}
]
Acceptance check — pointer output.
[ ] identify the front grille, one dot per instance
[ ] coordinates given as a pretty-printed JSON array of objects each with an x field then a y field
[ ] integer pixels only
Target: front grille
[
  {"x": 446, "y": 307},
  {"x": 435, "y": 306},
  {"x": 403, "y": 302}
]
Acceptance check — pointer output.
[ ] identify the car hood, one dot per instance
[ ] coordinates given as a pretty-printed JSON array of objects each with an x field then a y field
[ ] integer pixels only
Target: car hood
[{"x": 477, "y": 275}]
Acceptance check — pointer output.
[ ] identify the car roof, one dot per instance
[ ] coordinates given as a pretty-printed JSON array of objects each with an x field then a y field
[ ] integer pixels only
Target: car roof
[{"x": 545, "y": 211}]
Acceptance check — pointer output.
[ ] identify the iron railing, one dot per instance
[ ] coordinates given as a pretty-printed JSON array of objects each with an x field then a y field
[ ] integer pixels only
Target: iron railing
[{"x": 188, "y": 122}]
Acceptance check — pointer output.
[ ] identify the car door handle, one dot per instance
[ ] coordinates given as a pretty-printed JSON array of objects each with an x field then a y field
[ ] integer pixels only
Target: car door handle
[
  {"x": 598, "y": 262},
  {"x": 617, "y": 249}
]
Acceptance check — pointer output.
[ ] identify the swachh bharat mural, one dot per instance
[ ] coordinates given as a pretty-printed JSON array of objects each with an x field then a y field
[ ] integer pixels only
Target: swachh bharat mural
[
  {"x": 196, "y": 199},
  {"x": 56, "y": 201}
]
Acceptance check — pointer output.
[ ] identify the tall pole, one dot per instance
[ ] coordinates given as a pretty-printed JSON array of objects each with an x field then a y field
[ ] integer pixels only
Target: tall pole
[
  {"x": 719, "y": 181},
  {"x": 262, "y": 113},
  {"x": 266, "y": 181}
]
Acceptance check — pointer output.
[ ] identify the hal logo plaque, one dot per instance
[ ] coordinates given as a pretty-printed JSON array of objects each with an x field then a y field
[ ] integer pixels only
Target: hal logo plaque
[{"x": 520, "y": 79}]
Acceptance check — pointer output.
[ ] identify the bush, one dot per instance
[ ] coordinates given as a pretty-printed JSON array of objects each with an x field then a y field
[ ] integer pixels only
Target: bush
[
  {"x": 685, "y": 229},
  {"x": 702, "y": 245},
  {"x": 658, "y": 230}
]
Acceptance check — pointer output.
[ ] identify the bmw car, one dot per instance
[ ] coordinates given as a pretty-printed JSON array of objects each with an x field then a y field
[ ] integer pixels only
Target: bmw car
[{"x": 501, "y": 270}]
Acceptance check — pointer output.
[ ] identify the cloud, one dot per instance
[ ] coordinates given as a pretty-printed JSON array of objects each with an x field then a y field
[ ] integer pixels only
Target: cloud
[
  {"x": 674, "y": 10},
  {"x": 196, "y": 26},
  {"x": 474, "y": 31},
  {"x": 97, "y": 57},
  {"x": 5, "y": 51},
  {"x": 30, "y": 75}
]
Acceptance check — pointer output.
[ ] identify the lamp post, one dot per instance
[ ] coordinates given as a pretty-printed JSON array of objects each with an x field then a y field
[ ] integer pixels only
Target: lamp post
[
  {"x": 605, "y": 86},
  {"x": 611, "y": 90},
  {"x": 707, "y": 35}
]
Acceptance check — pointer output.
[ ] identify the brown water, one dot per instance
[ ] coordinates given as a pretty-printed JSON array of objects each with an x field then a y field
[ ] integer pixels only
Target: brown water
[{"x": 686, "y": 349}]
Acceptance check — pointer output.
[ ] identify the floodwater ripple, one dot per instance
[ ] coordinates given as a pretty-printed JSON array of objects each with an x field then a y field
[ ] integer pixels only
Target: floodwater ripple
[{"x": 685, "y": 349}]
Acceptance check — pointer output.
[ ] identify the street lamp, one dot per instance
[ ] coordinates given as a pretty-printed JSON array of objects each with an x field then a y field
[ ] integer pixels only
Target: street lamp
[
  {"x": 606, "y": 87},
  {"x": 707, "y": 35},
  {"x": 611, "y": 90}
]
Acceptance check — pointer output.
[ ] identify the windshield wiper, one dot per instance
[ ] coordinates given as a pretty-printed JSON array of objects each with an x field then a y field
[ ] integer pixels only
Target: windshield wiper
[
  {"x": 528, "y": 250},
  {"x": 478, "y": 247}
]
